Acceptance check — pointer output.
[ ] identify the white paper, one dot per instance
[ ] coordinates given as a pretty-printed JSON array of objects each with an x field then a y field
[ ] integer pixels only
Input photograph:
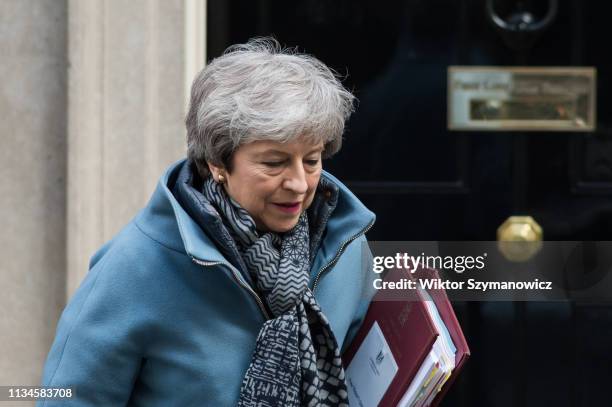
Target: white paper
[
  {"x": 371, "y": 371},
  {"x": 415, "y": 387}
]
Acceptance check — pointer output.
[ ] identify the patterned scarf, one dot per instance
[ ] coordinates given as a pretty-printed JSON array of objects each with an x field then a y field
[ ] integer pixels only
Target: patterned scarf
[{"x": 296, "y": 361}]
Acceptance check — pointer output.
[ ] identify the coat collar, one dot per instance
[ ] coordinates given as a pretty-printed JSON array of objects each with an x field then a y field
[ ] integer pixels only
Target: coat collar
[{"x": 168, "y": 223}]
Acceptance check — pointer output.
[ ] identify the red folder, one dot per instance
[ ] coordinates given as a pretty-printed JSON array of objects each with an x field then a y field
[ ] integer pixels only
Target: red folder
[{"x": 410, "y": 334}]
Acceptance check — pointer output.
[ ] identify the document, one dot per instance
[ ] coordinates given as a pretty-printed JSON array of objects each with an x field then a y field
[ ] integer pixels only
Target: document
[{"x": 371, "y": 371}]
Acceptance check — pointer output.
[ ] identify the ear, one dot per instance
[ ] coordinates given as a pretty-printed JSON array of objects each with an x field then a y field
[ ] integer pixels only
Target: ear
[{"x": 216, "y": 171}]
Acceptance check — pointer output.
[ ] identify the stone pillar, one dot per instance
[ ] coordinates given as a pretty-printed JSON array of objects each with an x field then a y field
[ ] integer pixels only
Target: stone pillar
[
  {"x": 93, "y": 99},
  {"x": 32, "y": 184},
  {"x": 131, "y": 64}
]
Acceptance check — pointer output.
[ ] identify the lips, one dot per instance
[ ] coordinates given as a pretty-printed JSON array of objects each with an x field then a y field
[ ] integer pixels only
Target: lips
[{"x": 288, "y": 207}]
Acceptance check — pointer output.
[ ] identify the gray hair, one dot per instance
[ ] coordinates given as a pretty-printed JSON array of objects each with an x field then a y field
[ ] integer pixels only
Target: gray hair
[{"x": 260, "y": 91}]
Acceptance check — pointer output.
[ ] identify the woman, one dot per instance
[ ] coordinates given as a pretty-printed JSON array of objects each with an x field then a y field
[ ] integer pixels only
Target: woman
[{"x": 243, "y": 278}]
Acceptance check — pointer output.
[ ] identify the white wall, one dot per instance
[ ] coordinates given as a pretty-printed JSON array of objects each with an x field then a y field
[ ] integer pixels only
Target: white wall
[{"x": 32, "y": 182}]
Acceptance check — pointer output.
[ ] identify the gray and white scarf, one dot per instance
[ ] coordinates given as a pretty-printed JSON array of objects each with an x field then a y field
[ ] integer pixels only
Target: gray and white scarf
[{"x": 296, "y": 361}]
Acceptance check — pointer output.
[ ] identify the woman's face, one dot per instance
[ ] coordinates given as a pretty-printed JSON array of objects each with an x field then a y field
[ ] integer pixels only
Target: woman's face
[{"x": 275, "y": 182}]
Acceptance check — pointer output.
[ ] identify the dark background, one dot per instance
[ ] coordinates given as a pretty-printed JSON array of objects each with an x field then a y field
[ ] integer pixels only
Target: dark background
[{"x": 427, "y": 183}]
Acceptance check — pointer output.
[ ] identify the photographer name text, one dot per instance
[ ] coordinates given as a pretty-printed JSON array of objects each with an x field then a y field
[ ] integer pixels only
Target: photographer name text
[{"x": 470, "y": 284}]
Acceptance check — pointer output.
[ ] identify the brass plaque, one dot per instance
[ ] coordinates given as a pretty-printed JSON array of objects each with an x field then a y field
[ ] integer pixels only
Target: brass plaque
[{"x": 521, "y": 98}]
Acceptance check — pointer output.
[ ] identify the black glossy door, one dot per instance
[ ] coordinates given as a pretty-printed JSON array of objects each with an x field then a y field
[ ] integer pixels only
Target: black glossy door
[{"x": 427, "y": 183}]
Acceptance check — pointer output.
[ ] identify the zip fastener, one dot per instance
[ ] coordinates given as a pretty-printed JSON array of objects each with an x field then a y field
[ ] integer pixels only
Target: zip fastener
[
  {"x": 338, "y": 254},
  {"x": 239, "y": 280}
]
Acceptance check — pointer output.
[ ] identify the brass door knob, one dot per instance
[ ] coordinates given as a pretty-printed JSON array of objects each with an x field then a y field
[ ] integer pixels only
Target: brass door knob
[{"x": 519, "y": 238}]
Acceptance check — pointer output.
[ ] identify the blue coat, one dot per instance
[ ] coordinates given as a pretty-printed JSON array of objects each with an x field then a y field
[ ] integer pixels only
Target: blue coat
[{"x": 163, "y": 319}]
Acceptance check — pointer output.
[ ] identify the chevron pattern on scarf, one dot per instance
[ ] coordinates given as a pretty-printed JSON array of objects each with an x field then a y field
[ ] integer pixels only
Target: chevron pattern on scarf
[
  {"x": 296, "y": 359},
  {"x": 240, "y": 224}
]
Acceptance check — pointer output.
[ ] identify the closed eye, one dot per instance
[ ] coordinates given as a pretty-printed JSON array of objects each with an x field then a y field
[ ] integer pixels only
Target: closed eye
[{"x": 273, "y": 164}]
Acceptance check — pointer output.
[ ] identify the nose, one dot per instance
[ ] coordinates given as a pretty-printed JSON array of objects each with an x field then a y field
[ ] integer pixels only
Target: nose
[{"x": 295, "y": 179}]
